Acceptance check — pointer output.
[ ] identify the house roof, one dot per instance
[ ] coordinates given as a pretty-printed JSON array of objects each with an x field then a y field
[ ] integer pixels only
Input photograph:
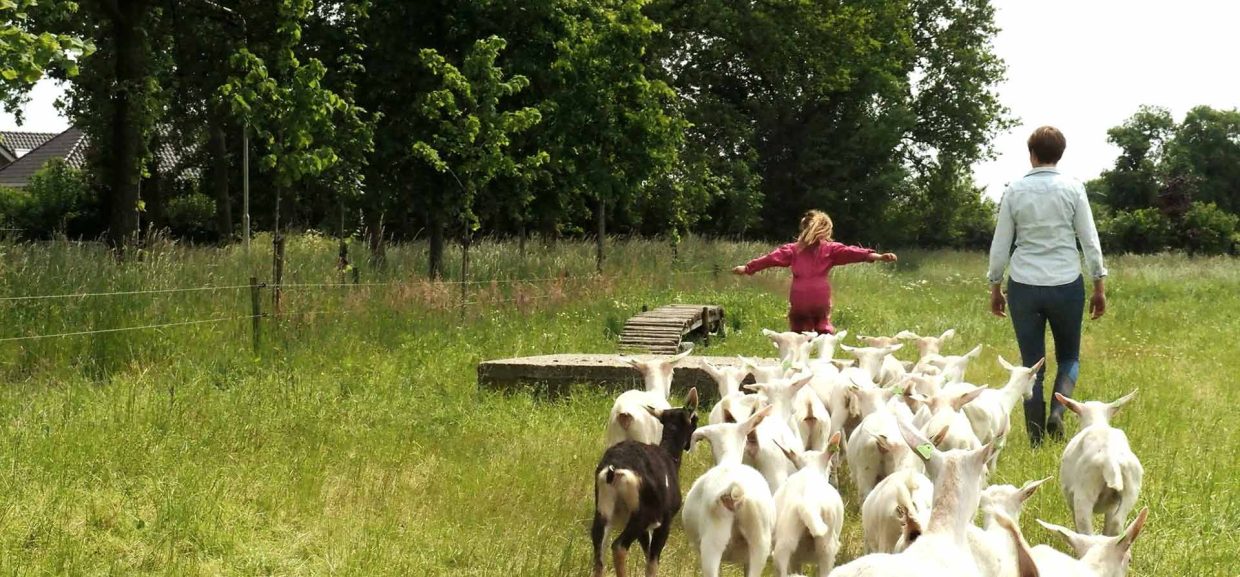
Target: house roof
[
  {"x": 13, "y": 140},
  {"x": 71, "y": 146},
  {"x": 66, "y": 145}
]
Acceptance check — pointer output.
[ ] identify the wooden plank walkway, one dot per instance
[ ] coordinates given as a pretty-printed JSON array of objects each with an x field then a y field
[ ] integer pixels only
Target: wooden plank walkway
[
  {"x": 660, "y": 331},
  {"x": 555, "y": 373}
]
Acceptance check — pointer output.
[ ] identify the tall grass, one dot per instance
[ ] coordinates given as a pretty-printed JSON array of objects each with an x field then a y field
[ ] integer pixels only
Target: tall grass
[{"x": 355, "y": 441}]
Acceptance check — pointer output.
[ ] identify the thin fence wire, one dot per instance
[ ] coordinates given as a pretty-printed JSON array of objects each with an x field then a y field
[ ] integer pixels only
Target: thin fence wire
[
  {"x": 321, "y": 285},
  {"x": 473, "y": 303}
]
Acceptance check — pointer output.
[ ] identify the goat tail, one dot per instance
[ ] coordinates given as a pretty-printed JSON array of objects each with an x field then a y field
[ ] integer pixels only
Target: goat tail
[
  {"x": 617, "y": 485},
  {"x": 733, "y": 498},
  {"x": 812, "y": 517},
  {"x": 1113, "y": 476},
  {"x": 625, "y": 419}
]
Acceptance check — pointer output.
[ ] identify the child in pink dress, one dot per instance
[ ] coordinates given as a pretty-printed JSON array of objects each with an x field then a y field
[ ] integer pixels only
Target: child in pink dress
[{"x": 811, "y": 258}]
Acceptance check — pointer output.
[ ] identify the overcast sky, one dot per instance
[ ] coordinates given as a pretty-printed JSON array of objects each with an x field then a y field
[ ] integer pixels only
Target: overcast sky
[{"x": 1081, "y": 65}]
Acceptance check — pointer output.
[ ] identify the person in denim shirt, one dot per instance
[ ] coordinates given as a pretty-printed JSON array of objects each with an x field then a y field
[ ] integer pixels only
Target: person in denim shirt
[{"x": 1041, "y": 219}]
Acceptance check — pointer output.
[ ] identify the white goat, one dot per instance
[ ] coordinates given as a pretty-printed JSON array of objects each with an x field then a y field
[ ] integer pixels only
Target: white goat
[
  {"x": 902, "y": 493},
  {"x": 629, "y": 419},
  {"x": 827, "y": 343},
  {"x": 874, "y": 448},
  {"x": 927, "y": 346},
  {"x": 947, "y": 426},
  {"x": 734, "y": 405},
  {"x": 1099, "y": 472},
  {"x": 766, "y": 372},
  {"x": 941, "y": 549},
  {"x": 729, "y": 512},
  {"x": 780, "y": 429},
  {"x": 992, "y": 411},
  {"x": 1096, "y": 556},
  {"x": 809, "y": 514},
  {"x": 992, "y": 546},
  {"x": 813, "y": 421},
  {"x": 875, "y": 361},
  {"x": 793, "y": 347},
  {"x": 953, "y": 367}
]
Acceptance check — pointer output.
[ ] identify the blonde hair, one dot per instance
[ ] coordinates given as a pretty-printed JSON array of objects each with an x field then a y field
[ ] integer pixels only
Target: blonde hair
[{"x": 816, "y": 227}]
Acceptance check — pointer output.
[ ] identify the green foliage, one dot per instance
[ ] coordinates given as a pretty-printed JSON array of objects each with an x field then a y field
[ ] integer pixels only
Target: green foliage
[
  {"x": 471, "y": 134},
  {"x": 190, "y": 216},
  {"x": 57, "y": 200},
  {"x": 1141, "y": 231},
  {"x": 27, "y": 53},
  {"x": 1208, "y": 229}
]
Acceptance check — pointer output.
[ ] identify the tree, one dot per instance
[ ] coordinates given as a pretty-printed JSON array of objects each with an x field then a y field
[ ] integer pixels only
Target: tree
[
  {"x": 28, "y": 52},
  {"x": 1206, "y": 146},
  {"x": 472, "y": 136},
  {"x": 1142, "y": 140},
  {"x": 617, "y": 130},
  {"x": 282, "y": 99}
]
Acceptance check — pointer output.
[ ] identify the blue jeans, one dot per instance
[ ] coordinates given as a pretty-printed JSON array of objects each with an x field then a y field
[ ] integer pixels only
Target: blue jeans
[{"x": 1031, "y": 308}]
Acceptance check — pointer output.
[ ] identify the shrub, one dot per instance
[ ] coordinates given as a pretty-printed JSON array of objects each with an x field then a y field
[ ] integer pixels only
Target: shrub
[
  {"x": 13, "y": 204},
  {"x": 191, "y": 216},
  {"x": 58, "y": 199},
  {"x": 1208, "y": 229},
  {"x": 1144, "y": 230}
]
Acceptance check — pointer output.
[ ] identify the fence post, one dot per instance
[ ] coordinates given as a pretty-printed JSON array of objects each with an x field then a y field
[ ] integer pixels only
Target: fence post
[
  {"x": 255, "y": 312},
  {"x": 715, "y": 270},
  {"x": 277, "y": 274},
  {"x": 706, "y": 326}
]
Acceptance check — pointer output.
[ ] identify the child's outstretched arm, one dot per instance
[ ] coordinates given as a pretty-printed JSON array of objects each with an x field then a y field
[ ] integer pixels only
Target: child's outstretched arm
[
  {"x": 845, "y": 254},
  {"x": 781, "y": 256}
]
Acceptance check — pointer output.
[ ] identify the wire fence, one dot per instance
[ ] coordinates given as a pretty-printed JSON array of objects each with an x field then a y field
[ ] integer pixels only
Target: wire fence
[{"x": 286, "y": 314}]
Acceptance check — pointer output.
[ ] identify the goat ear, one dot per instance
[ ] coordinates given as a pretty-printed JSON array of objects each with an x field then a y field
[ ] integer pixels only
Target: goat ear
[
  {"x": 637, "y": 364},
  {"x": 702, "y": 433},
  {"x": 1079, "y": 543},
  {"x": 1006, "y": 365},
  {"x": 680, "y": 356},
  {"x": 839, "y": 336},
  {"x": 800, "y": 381},
  {"x": 940, "y": 436},
  {"x": 1072, "y": 405},
  {"x": 974, "y": 353},
  {"x": 755, "y": 419},
  {"x": 769, "y": 333},
  {"x": 884, "y": 446},
  {"x": 947, "y": 335},
  {"x": 847, "y": 348},
  {"x": 1025, "y": 567},
  {"x": 1134, "y": 530},
  {"x": 1115, "y": 405},
  {"x": 790, "y": 455},
  {"x": 691, "y": 400},
  {"x": 711, "y": 370},
  {"x": 833, "y": 444},
  {"x": 963, "y": 399},
  {"x": 915, "y": 439},
  {"x": 842, "y": 363},
  {"x": 1031, "y": 487},
  {"x": 911, "y": 526},
  {"x": 1037, "y": 366},
  {"x": 892, "y": 348},
  {"x": 755, "y": 387},
  {"x": 907, "y": 335}
]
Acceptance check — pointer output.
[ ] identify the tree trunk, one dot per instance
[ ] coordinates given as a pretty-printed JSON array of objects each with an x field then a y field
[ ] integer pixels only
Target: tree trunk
[
  {"x": 465, "y": 241},
  {"x": 435, "y": 268},
  {"x": 375, "y": 239},
  {"x": 126, "y": 137},
  {"x": 521, "y": 235},
  {"x": 217, "y": 151},
  {"x": 600, "y": 219}
]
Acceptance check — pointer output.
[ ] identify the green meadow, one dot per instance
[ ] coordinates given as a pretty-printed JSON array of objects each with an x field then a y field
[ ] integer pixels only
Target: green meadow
[{"x": 355, "y": 441}]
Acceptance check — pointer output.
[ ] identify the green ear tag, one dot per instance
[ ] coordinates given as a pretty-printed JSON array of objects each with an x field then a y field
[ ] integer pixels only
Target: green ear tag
[
  {"x": 898, "y": 391},
  {"x": 787, "y": 365},
  {"x": 925, "y": 450}
]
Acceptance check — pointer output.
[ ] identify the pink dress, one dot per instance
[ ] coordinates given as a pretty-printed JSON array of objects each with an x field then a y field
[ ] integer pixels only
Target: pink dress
[{"x": 809, "y": 299}]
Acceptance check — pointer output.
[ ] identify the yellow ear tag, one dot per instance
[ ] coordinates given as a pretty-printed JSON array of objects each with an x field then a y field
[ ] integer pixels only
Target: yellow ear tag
[{"x": 925, "y": 450}]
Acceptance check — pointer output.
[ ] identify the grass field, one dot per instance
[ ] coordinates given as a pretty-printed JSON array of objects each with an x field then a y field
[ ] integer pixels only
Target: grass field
[{"x": 355, "y": 442}]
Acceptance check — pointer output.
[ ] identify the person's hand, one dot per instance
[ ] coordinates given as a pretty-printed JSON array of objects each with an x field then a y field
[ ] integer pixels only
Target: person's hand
[
  {"x": 1097, "y": 305},
  {"x": 739, "y": 270},
  {"x": 883, "y": 257},
  {"x": 997, "y": 302}
]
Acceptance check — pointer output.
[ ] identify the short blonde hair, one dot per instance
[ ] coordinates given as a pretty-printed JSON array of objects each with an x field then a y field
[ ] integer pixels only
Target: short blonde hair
[{"x": 816, "y": 227}]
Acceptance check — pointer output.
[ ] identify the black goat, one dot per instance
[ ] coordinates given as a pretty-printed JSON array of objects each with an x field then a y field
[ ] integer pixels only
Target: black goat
[{"x": 637, "y": 487}]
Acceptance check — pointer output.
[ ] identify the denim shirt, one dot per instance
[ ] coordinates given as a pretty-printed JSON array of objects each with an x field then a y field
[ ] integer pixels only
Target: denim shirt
[{"x": 1045, "y": 213}]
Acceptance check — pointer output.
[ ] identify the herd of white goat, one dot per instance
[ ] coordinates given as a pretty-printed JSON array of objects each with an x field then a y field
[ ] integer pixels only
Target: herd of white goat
[{"x": 919, "y": 443}]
